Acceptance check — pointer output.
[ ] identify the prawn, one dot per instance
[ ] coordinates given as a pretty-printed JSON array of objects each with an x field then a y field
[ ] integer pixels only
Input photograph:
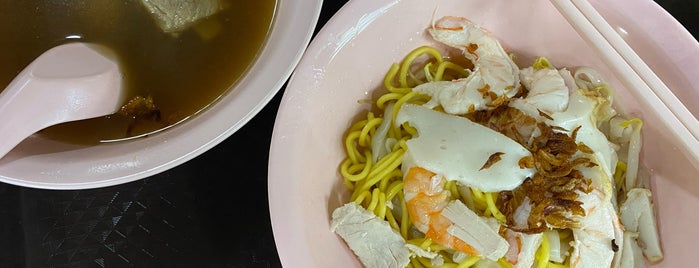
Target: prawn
[
  {"x": 426, "y": 197},
  {"x": 493, "y": 81}
]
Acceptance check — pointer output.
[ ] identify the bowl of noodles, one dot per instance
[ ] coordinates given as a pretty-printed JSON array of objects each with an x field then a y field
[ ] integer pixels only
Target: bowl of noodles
[
  {"x": 194, "y": 72},
  {"x": 481, "y": 134}
]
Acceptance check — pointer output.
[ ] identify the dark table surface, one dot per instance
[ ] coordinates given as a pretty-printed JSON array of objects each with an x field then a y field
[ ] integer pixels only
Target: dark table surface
[{"x": 204, "y": 213}]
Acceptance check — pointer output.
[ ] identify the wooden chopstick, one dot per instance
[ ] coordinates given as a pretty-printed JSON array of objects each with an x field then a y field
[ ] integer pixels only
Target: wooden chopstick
[{"x": 633, "y": 72}]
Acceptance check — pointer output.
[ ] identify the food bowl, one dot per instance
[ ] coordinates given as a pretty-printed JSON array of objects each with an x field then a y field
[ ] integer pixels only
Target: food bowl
[
  {"x": 46, "y": 163},
  {"x": 344, "y": 68}
]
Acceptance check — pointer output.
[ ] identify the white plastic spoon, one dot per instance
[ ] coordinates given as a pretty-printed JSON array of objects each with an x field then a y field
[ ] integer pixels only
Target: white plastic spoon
[{"x": 69, "y": 82}]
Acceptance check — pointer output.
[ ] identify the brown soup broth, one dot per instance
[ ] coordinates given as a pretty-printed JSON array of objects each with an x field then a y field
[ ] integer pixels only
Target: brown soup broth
[{"x": 183, "y": 73}]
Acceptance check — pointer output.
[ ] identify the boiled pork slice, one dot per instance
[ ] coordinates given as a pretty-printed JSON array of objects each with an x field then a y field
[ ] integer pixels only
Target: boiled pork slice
[{"x": 370, "y": 238}]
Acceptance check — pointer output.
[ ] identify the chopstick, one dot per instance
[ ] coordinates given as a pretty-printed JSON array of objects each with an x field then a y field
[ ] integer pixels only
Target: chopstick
[{"x": 633, "y": 72}]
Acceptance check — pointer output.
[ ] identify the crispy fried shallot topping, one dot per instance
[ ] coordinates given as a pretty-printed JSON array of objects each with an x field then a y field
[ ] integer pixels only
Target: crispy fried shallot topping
[
  {"x": 471, "y": 48},
  {"x": 494, "y": 158},
  {"x": 553, "y": 190},
  {"x": 545, "y": 115},
  {"x": 509, "y": 121}
]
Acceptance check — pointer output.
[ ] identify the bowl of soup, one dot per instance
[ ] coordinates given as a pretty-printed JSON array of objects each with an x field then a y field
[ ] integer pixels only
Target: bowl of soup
[{"x": 194, "y": 72}]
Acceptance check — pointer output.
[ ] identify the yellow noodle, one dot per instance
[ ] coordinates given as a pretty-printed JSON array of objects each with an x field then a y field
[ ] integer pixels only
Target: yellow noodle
[
  {"x": 469, "y": 262},
  {"x": 387, "y": 173},
  {"x": 416, "y": 241},
  {"x": 427, "y": 244},
  {"x": 543, "y": 254},
  {"x": 451, "y": 186},
  {"x": 447, "y": 259},
  {"x": 504, "y": 263},
  {"x": 405, "y": 66},
  {"x": 357, "y": 126},
  {"x": 428, "y": 73},
  {"x": 390, "y": 76},
  {"x": 489, "y": 200},
  {"x": 347, "y": 169},
  {"x": 383, "y": 169},
  {"x": 410, "y": 130},
  {"x": 374, "y": 200},
  {"x": 358, "y": 189},
  {"x": 401, "y": 144},
  {"x": 354, "y": 168},
  {"x": 404, "y": 221},
  {"x": 385, "y": 161},
  {"x": 392, "y": 220},
  {"x": 383, "y": 183},
  {"x": 619, "y": 174},
  {"x": 451, "y": 66},
  {"x": 424, "y": 261},
  {"x": 371, "y": 125},
  {"x": 349, "y": 184},
  {"x": 381, "y": 102},
  {"x": 416, "y": 263},
  {"x": 360, "y": 197},
  {"x": 352, "y": 152},
  {"x": 394, "y": 189},
  {"x": 395, "y": 133},
  {"x": 400, "y": 102},
  {"x": 395, "y": 175},
  {"x": 376, "y": 181},
  {"x": 381, "y": 208},
  {"x": 478, "y": 199}
]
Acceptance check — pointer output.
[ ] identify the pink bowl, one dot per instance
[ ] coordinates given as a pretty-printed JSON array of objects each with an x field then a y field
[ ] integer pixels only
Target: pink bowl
[{"x": 347, "y": 60}]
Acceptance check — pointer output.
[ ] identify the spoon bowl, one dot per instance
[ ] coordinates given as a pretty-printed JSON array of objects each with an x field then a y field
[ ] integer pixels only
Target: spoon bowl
[{"x": 69, "y": 82}]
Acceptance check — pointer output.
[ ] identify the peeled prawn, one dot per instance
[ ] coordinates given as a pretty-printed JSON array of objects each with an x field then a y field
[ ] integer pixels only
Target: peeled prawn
[
  {"x": 448, "y": 222},
  {"x": 425, "y": 199},
  {"x": 548, "y": 91},
  {"x": 494, "y": 79}
]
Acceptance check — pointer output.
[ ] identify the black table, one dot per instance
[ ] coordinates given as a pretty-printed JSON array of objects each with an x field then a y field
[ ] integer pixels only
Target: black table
[{"x": 209, "y": 212}]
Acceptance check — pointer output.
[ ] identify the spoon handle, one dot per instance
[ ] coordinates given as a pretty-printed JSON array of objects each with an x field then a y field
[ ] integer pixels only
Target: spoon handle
[{"x": 67, "y": 83}]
